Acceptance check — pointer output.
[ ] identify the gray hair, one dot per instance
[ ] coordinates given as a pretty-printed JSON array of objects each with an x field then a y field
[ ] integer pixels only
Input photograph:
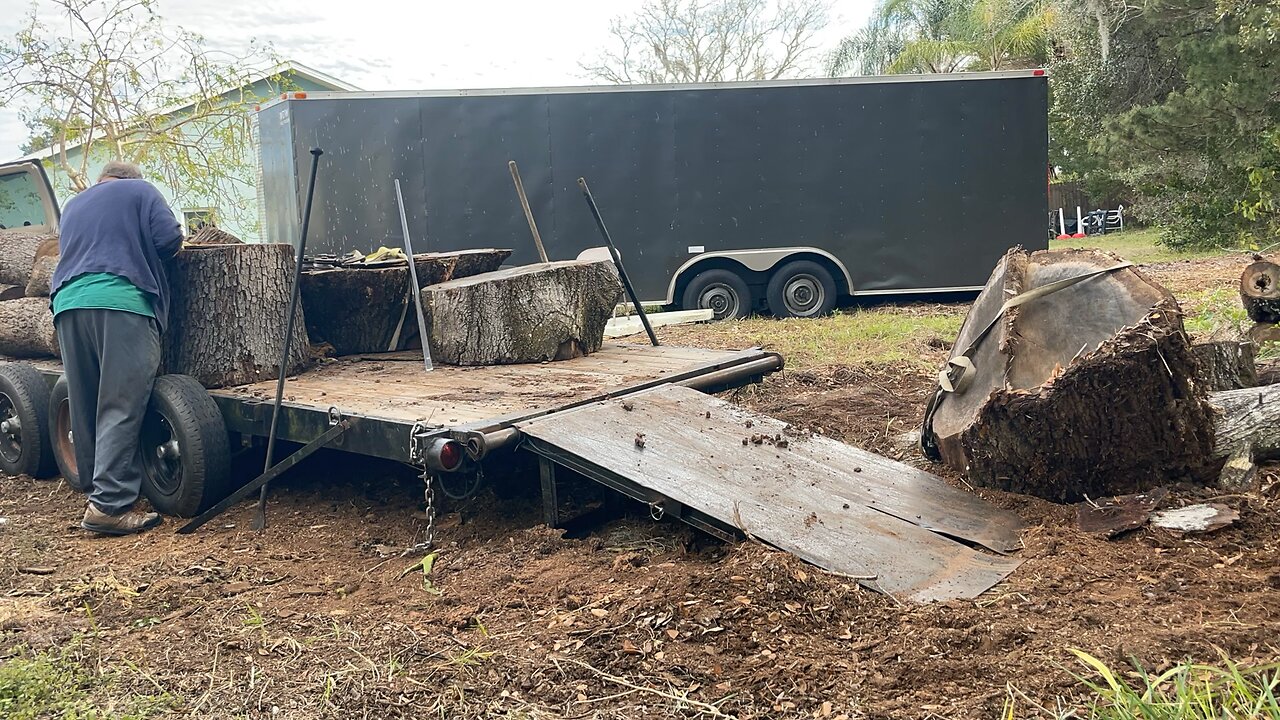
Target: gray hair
[{"x": 121, "y": 170}]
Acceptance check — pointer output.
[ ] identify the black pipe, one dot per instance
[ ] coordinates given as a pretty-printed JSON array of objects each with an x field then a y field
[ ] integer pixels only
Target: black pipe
[
  {"x": 260, "y": 516},
  {"x": 617, "y": 260}
]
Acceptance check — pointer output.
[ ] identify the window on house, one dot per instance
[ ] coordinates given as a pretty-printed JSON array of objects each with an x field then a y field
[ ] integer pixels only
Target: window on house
[{"x": 196, "y": 219}]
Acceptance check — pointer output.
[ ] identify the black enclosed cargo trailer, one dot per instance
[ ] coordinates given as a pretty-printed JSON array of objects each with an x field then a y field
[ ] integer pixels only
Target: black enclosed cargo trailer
[{"x": 727, "y": 195}]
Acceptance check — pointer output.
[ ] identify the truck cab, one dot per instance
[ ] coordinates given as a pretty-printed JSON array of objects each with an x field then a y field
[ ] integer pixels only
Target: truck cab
[{"x": 27, "y": 200}]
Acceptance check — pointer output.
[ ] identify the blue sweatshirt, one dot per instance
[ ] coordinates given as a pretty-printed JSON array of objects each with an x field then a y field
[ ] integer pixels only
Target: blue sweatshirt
[{"x": 122, "y": 227}]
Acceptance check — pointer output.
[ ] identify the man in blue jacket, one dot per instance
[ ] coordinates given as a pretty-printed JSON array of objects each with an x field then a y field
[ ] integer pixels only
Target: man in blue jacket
[{"x": 110, "y": 304}]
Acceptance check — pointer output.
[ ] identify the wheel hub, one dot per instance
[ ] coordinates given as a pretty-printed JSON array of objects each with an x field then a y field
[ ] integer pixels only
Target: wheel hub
[
  {"x": 721, "y": 300},
  {"x": 802, "y": 294},
  {"x": 10, "y": 430}
]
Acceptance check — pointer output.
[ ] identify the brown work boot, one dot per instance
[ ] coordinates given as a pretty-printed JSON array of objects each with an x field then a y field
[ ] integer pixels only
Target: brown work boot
[{"x": 127, "y": 523}]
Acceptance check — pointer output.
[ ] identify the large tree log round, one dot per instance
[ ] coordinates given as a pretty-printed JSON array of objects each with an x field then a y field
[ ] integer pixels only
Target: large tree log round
[
  {"x": 18, "y": 254},
  {"x": 359, "y": 309},
  {"x": 26, "y": 328},
  {"x": 551, "y": 311},
  {"x": 42, "y": 276},
  {"x": 1087, "y": 391},
  {"x": 226, "y": 320},
  {"x": 1260, "y": 291}
]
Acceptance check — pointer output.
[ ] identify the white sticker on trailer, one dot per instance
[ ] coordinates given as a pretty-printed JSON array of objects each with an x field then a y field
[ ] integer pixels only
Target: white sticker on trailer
[{"x": 697, "y": 248}]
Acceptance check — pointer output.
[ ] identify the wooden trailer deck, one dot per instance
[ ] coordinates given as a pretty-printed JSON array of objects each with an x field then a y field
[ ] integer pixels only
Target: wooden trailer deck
[{"x": 395, "y": 387}]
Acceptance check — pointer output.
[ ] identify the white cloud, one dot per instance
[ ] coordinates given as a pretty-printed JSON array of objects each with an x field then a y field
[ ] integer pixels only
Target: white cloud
[{"x": 397, "y": 44}]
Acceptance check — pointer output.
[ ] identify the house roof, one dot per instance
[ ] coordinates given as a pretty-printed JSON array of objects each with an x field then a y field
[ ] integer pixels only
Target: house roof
[{"x": 284, "y": 68}]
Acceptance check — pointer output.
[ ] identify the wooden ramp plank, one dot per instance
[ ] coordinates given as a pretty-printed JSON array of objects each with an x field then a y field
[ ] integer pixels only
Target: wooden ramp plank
[{"x": 885, "y": 521}]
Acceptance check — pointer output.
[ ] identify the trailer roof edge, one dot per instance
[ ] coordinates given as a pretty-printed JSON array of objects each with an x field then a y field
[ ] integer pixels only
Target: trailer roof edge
[{"x": 572, "y": 89}]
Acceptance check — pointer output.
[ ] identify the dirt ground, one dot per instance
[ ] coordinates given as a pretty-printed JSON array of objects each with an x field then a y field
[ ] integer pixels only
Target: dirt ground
[{"x": 631, "y": 618}]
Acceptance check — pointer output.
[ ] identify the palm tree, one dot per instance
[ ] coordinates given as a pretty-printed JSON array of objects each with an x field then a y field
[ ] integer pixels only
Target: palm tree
[{"x": 943, "y": 36}]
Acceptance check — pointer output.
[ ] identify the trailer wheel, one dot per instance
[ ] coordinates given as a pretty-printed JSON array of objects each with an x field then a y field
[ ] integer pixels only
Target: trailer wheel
[
  {"x": 723, "y": 291},
  {"x": 801, "y": 289},
  {"x": 24, "y": 422},
  {"x": 186, "y": 458},
  {"x": 64, "y": 448}
]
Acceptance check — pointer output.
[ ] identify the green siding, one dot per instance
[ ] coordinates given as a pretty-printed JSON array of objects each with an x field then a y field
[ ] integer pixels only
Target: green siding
[{"x": 247, "y": 227}]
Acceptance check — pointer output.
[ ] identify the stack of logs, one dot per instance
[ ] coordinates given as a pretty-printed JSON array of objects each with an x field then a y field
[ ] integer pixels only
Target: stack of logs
[{"x": 228, "y": 301}]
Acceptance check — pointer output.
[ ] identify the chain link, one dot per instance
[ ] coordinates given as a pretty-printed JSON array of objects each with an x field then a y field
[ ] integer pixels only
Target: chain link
[{"x": 430, "y": 495}]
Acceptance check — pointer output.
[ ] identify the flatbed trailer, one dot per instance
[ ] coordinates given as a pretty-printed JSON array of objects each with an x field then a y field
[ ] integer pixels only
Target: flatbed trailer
[{"x": 636, "y": 419}]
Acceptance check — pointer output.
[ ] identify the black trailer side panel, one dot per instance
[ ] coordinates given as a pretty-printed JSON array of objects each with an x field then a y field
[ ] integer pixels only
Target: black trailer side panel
[{"x": 912, "y": 185}]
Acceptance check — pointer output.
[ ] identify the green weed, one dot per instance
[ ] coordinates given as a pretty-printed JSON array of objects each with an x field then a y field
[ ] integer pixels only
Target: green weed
[{"x": 56, "y": 684}]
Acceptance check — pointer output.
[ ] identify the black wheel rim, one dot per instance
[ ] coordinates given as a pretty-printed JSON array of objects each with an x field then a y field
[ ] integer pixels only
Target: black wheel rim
[
  {"x": 722, "y": 300},
  {"x": 10, "y": 431},
  {"x": 63, "y": 442},
  {"x": 161, "y": 454},
  {"x": 803, "y": 295}
]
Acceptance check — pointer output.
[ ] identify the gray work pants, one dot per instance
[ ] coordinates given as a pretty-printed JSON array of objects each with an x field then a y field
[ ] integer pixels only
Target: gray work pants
[{"x": 110, "y": 358}]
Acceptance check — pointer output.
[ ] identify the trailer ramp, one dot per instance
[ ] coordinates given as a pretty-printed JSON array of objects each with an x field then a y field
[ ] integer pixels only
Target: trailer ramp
[{"x": 895, "y": 528}]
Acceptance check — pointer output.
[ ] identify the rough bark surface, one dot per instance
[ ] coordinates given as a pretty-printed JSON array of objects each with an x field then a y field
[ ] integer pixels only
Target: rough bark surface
[
  {"x": 11, "y": 292},
  {"x": 210, "y": 235},
  {"x": 226, "y": 321},
  {"x": 1087, "y": 391},
  {"x": 552, "y": 311},
  {"x": 1225, "y": 364},
  {"x": 1260, "y": 291},
  {"x": 1246, "y": 431},
  {"x": 41, "y": 276},
  {"x": 26, "y": 328},
  {"x": 358, "y": 310},
  {"x": 18, "y": 255}
]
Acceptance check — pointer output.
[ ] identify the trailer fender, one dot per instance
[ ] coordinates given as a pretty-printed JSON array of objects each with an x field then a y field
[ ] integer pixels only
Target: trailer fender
[{"x": 761, "y": 261}]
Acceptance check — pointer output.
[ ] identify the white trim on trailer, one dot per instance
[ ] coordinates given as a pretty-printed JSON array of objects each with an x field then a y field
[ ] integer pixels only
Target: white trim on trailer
[
  {"x": 914, "y": 291},
  {"x": 746, "y": 84}
]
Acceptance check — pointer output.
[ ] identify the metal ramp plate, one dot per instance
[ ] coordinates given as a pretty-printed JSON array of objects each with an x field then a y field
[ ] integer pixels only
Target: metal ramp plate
[{"x": 896, "y": 528}]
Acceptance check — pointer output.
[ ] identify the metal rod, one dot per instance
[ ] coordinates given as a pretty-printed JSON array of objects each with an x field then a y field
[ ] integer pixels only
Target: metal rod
[
  {"x": 414, "y": 289},
  {"x": 617, "y": 260},
  {"x": 260, "y": 515},
  {"x": 528, "y": 214},
  {"x": 275, "y": 471}
]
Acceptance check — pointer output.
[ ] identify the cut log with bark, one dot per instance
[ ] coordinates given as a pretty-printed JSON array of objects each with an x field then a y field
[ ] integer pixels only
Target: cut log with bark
[
  {"x": 18, "y": 255},
  {"x": 550, "y": 311},
  {"x": 210, "y": 235},
  {"x": 1246, "y": 432},
  {"x": 1088, "y": 390},
  {"x": 366, "y": 309},
  {"x": 42, "y": 276},
  {"x": 26, "y": 328},
  {"x": 12, "y": 292},
  {"x": 1225, "y": 363},
  {"x": 226, "y": 320},
  {"x": 1260, "y": 291}
]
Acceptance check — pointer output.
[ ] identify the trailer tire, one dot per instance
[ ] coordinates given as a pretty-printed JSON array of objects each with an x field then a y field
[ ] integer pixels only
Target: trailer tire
[
  {"x": 186, "y": 457},
  {"x": 60, "y": 438},
  {"x": 801, "y": 289},
  {"x": 723, "y": 291},
  {"x": 24, "y": 422}
]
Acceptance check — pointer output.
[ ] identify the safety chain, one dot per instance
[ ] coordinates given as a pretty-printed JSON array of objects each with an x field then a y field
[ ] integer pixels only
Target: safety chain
[{"x": 429, "y": 495}]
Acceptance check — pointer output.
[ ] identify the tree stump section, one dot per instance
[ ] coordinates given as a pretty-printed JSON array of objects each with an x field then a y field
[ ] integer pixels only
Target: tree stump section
[
  {"x": 26, "y": 328},
  {"x": 42, "y": 276},
  {"x": 550, "y": 311},
  {"x": 359, "y": 309},
  {"x": 1246, "y": 432},
  {"x": 18, "y": 255},
  {"x": 1260, "y": 291},
  {"x": 1086, "y": 391},
  {"x": 1225, "y": 363},
  {"x": 226, "y": 320}
]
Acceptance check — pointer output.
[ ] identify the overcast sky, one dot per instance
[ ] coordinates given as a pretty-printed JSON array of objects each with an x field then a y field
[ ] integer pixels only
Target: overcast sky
[{"x": 410, "y": 44}]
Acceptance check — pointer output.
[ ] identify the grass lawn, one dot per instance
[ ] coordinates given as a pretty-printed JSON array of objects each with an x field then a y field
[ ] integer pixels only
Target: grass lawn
[{"x": 1138, "y": 246}]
